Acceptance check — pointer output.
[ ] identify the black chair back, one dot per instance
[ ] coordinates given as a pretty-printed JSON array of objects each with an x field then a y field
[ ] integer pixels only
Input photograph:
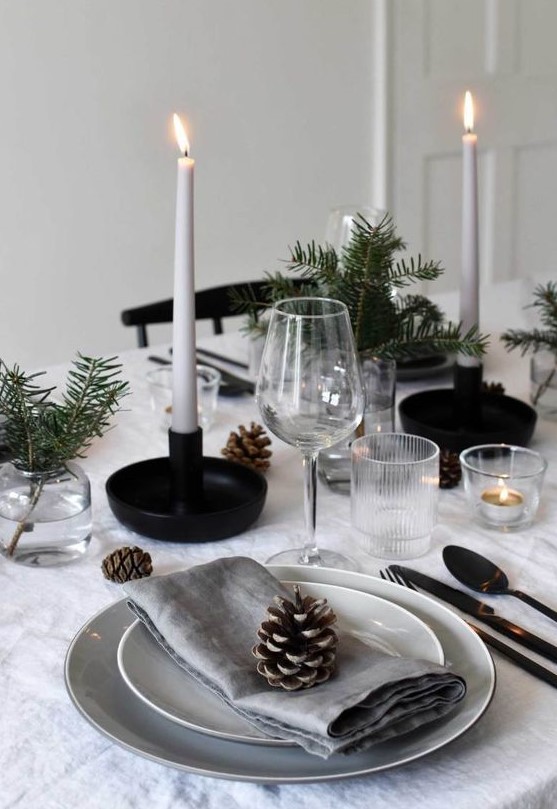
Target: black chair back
[{"x": 213, "y": 304}]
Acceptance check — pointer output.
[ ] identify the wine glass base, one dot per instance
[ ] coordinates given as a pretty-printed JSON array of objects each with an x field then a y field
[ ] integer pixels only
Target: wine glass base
[{"x": 296, "y": 556}]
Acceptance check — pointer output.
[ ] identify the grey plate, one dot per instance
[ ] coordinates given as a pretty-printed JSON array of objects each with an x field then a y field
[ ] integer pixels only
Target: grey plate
[
  {"x": 100, "y": 694},
  {"x": 163, "y": 685}
]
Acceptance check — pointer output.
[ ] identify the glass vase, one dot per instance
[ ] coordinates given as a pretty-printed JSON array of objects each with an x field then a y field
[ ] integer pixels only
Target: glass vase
[
  {"x": 45, "y": 517},
  {"x": 543, "y": 383},
  {"x": 379, "y": 378}
]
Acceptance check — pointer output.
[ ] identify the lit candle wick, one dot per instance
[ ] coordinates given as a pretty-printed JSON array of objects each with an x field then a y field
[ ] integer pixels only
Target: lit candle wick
[
  {"x": 501, "y": 499},
  {"x": 468, "y": 112},
  {"x": 181, "y": 137}
]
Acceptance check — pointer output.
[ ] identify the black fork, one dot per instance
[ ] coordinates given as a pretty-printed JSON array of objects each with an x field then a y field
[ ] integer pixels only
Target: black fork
[{"x": 393, "y": 574}]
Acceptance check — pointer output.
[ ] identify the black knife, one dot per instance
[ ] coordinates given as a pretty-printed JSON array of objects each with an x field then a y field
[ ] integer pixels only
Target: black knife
[
  {"x": 521, "y": 660},
  {"x": 481, "y": 611}
]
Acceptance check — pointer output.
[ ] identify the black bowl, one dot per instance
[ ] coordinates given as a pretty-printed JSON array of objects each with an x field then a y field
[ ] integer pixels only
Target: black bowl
[
  {"x": 432, "y": 414},
  {"x": 234, "y": 496}
]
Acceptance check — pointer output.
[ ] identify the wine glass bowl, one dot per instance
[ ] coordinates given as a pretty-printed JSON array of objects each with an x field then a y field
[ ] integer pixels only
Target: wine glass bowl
[
  {"x": 341, "y": 223},
  {"x": 309, "y": 393}
]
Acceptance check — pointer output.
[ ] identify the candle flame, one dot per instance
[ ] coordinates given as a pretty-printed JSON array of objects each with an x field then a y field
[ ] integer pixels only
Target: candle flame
[
  {"x": 468, "y": 112},
  {"x": 503, "y": 495},
  {"x": 181, "y": 136}
]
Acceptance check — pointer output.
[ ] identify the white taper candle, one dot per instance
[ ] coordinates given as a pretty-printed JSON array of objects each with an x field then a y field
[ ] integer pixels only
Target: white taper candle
[
  {"x": 469, "y": 279},
  {"x": 184, "y": 373}
]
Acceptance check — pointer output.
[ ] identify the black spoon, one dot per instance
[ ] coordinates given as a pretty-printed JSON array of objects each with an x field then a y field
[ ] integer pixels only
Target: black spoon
[{"x": 480, "y": 574}]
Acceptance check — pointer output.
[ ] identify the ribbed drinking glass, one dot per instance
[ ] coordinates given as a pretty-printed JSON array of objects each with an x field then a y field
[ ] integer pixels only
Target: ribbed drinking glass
[{"x": 395, "y": 489}]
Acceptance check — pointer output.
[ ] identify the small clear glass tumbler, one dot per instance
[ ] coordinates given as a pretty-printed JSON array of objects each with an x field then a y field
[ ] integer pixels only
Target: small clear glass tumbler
[
  {"x": 503, "y": 484},
  {"x": 395, "y": 492},
  {"x": 208, "y": 384}
]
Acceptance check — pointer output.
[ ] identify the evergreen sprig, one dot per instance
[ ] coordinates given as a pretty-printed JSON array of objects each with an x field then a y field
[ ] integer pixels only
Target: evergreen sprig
[
  {"x": 536, "y": 339},
  {"x": 43, "y": 434},
  {"x": 364, "y": 277}
]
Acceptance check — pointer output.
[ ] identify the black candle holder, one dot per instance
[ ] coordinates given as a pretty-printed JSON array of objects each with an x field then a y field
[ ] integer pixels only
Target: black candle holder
[
  {"x": 464, "y": 416},
  {"x": 186, "y": 497}
]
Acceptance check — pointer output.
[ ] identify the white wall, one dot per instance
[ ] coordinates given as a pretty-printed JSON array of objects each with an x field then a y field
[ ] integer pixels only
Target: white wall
[
  {"x": 277, "y": 99},
  {"x": 501, "y": 51}
]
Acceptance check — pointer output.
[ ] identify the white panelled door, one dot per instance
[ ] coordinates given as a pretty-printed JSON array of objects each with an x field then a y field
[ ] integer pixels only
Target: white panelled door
[{"x": 504, "y": 52}]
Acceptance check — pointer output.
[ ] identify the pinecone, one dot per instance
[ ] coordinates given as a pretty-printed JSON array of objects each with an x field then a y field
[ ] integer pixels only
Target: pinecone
[
  {"x": 126, "y": 564},
  {"x": 496, "y": 388},
  {"x": 450, "y": 472},
  {"x": 249, "y": 447},
  {"x": 298, "y": 646}
]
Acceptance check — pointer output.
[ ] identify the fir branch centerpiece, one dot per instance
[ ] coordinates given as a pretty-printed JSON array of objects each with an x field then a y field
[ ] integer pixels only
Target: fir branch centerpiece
[
  {"x": 367, "y": 276},
  {"x": 43, "y": 433},
  {"x": 539, "y": 339}
]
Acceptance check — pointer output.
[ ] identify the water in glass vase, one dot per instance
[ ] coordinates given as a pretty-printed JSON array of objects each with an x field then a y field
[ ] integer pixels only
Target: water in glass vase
[
  {"x": 45, "y": 519},
  {"x": 543, "y": 384}
]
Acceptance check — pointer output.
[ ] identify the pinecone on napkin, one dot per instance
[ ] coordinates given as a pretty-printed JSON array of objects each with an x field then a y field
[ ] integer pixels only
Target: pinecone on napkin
[
  {"x": 392, "y": 694},
  {"x": 298, "y": 648}
]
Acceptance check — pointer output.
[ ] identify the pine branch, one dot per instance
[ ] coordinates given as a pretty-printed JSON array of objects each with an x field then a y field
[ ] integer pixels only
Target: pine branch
[
  {"x": 534, "y": 340},
  {"x": 44, "y": 434},
  {"x": 364, "y": 277},
  {"x": 419, "y": 306},
  {"x": 447, "y": 340},
  {"x": 545, "y": 299},
  {"x": 403, "y": 274}
]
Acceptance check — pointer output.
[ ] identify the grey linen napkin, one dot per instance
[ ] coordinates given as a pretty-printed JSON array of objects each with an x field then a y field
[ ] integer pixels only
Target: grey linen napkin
[{"x": 206, "y": 618}]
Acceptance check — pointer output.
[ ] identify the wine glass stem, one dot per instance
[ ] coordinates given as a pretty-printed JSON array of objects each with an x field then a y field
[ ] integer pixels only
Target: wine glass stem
[{"x": 310, "y": 554}]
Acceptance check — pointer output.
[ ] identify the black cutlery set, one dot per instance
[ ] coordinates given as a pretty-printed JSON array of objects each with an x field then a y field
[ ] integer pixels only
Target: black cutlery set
[{"x": 478, "y": 573}]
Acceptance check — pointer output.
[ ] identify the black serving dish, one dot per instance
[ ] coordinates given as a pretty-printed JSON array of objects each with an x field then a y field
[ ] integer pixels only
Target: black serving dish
[{"x": 437, "y": 415}]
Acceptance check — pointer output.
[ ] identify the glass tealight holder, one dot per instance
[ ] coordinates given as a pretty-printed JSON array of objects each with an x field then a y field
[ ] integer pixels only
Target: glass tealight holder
[
  {"x": 503, "y": 484},
  {"x": 208, "y": 384}
]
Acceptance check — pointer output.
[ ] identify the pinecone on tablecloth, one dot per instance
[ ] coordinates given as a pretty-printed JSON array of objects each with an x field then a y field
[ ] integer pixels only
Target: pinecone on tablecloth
[
  {"x": 495, "y": 388},
  {"x": 298, "y": 643},
  {"x": 126, "y": 564},
  {"x": 450, "y": 472},
  {"x": 249, "y": 447}
]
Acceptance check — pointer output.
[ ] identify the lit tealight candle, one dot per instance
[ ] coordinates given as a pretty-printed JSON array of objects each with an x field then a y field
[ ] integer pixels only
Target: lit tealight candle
[{"x": 501, "y": 504}]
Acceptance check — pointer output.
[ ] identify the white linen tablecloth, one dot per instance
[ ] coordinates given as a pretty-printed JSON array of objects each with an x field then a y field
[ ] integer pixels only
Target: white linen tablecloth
[{"x": 51, "y": 758}]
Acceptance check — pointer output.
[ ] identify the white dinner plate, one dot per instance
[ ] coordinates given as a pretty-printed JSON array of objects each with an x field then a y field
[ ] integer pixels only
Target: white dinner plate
[
  {"x": 161, "y": 683},
  {"x": 101, "y": 695}
]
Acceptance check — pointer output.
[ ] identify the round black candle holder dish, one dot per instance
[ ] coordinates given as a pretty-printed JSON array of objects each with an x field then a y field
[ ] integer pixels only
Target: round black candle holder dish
[
  {"x": 140, "y": 496},
  {"x": 433, "y": 414}
]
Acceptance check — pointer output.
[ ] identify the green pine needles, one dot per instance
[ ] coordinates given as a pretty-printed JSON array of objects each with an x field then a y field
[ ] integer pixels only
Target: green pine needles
[
  {"x": 42, "y": 433},
  {"x": 545, "y": 301},
  {"x": 544, "y": 339},
  {"x": 366, "y": 276}
]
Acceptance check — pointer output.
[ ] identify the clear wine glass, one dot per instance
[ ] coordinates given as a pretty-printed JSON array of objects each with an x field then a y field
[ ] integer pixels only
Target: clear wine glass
[
  {"x": 340, "y": 223},
  {"x": 310, "y": 395}
]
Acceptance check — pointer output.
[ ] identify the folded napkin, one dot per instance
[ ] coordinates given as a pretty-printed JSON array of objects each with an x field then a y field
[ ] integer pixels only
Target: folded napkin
[{"x": 206, "y": 618}]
